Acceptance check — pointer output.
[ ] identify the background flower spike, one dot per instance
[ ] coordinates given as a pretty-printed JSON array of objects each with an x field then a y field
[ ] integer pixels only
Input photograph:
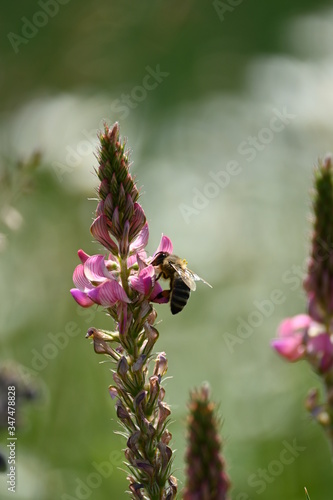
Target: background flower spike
[{"x": 310, "y": 336}]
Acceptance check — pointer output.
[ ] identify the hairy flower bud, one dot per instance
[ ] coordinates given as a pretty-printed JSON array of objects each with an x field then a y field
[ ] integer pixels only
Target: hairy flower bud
[
  {"x": 161, "y": 365},
  {"x": 205, "y": 474},
  {"x": 319, "y": 281}
]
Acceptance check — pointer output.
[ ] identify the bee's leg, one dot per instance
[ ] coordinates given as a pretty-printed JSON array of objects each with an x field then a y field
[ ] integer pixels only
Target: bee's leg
[
  {"x": 163, "y": 294},
  {"x": 158, "y": 276}
]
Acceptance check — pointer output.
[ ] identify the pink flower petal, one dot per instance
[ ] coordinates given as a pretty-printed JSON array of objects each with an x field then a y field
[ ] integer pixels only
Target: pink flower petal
[
  {"x": 99, "y": 230},
  {"x": 148, "y": 271},
  {"x": 83, "y": 256},
  {"x": 100, "y": 208},
  {"x": 141, "y": 260},
  {"x": 138, "y": 221},
  {"x": 96, "y": 270},
  {"x": 80, "y": 280},
  {"x": 291, "y": 348},
  {"x": 137, "y": 284},
  {"x": 137, "y": 258},
  {"x": 141, "y": 240},
  {"x": 321, "y": 347},
  {"x": 113, "y": 391},
  {"x": 143, "y": 281},
  {"x": 112, "y": 258},
  {"x": 165, "y": 245},
  {"x": 163, "y": 299},
  {"x": 320, "y": 344},
  {"x": 291, "y": 325},
  {"x": 81, "y": 298},
  {"x": 131, "y": 261},
  {"x": 108, "y": 294},
  {"x": 123, "y": 243}
]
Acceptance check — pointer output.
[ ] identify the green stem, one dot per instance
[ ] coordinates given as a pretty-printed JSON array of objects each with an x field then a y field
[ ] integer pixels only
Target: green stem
[{"x": 124, "y": 275}]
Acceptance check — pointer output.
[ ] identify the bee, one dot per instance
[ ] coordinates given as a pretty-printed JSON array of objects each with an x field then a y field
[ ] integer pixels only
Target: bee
[{"x": 182, "y": 279}]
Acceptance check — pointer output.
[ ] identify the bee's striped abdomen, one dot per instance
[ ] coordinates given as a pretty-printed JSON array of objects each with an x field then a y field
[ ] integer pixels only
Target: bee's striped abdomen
[{"x": 180, "y": 294}]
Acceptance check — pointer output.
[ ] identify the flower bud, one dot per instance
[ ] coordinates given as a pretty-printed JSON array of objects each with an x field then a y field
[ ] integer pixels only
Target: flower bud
[
  {"x": 161, "y": 365},
  {"x": 319, "y": 282},
  {"x": 133, "y": 441},
  {"x": 205, "y": 473},
  {"x": 113, "y": 391},
  {"x": 100, "y": 341},
  {"x": 123, "y": 367},
  {"x": 135, "y": 490}
]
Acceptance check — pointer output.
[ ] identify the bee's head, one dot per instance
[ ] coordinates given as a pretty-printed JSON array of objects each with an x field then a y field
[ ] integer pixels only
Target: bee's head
[{"x": 159, "y": 258}]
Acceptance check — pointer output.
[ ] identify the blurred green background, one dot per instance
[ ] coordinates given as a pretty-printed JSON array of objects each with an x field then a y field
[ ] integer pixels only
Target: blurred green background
[{"x": 223, "y": 71}]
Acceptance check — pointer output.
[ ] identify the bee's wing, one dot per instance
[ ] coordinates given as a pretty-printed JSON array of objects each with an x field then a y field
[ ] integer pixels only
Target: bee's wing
[
  {"x": 186, "y": 275},
  {"x": 197, "y": 278}
]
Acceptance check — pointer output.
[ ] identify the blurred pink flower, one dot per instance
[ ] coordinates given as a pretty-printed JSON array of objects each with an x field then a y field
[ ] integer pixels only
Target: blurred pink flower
[
  {"x": 291, "y": 331},
  {"x": 302, "y": 337},
  {"x": 320, "y": 351}
]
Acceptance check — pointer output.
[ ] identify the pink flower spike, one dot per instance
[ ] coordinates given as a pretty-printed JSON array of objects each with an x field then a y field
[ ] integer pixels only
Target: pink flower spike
[
  {"x": 141, "y": 240},
  {"x": 291, "y": 348},
  {"x": 81, "y": 298},
  {"x": 99, "y": 230},
  {"x": 165, "y": 245},
  {"x": 108, "y": 294},
  {"x": 291, "y": 325},
  {"x": 96, "y": 270},
  {"x": 83, "y": 256}
]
